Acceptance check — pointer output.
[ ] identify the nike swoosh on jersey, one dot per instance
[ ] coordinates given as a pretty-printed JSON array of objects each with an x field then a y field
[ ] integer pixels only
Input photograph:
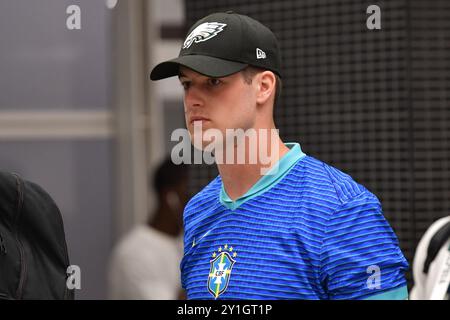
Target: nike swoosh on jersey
[{"x": 195, "y": 243}]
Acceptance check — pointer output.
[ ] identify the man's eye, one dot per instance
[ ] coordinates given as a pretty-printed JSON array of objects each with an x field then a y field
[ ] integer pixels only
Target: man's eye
[{"x": 214, "y": 82}]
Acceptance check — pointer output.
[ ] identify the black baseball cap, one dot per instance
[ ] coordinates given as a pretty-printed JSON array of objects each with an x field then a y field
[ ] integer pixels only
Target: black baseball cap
[{"x": 224, "y": 43}]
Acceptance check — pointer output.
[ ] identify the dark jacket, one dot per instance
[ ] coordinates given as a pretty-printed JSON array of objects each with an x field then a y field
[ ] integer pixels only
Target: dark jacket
[{"x": 33, "y": 250}]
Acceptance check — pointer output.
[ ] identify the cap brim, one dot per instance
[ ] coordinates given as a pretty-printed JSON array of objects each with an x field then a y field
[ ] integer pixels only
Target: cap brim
[{"x": 206, "y": 65}]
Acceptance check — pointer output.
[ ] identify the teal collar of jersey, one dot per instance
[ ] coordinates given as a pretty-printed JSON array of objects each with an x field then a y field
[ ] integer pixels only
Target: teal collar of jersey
[{"x": 268, "y": 180}]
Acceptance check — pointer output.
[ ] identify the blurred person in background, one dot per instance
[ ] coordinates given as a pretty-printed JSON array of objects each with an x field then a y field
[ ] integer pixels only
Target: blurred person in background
[{"x": 145, "y": 263}]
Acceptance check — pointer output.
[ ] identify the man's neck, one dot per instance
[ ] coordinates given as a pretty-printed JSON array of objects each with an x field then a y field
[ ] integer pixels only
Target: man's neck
[{"x": 239, "y": 178}]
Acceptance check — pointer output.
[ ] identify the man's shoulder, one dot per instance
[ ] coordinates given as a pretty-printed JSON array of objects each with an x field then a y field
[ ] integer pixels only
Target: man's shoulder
[
  {"x": 201, "y": 205},
  {"x": 331, "y": 181},
  {"x": 206, "y": 196}
]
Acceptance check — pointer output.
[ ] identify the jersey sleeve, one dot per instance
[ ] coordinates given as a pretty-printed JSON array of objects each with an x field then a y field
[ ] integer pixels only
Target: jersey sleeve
[{"x": 360, "y": 256}]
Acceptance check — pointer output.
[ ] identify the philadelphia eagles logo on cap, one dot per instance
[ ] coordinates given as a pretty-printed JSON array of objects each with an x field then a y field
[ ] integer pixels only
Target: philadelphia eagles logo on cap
[{"x": 203, "y": 32}]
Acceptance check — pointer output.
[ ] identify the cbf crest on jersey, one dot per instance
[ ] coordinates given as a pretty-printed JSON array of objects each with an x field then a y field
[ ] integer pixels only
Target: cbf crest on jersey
[
  {"x": 203, "y": 32},
  {"x": 220, "y": 270}
]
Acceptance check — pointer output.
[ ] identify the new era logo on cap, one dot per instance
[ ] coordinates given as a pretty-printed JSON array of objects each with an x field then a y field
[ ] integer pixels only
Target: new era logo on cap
[{"x": 260, "y": 54}]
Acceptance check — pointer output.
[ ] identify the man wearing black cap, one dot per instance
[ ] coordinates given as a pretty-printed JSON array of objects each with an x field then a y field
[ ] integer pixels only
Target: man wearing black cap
[{"x": 301, "y": 230}]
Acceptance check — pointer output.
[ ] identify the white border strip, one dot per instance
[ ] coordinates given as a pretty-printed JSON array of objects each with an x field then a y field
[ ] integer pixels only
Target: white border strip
[{"x": 56, "y": 125}]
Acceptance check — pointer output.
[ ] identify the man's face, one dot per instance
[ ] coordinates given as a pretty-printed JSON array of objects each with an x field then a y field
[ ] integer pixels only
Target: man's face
[{"x": 219, "y": 103}]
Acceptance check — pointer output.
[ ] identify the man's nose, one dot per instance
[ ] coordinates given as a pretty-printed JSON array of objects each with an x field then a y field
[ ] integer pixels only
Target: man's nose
[{"x": 193, "y": 97}]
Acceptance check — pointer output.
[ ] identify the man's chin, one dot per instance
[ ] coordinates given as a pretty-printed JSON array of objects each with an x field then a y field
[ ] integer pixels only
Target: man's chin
[
  {"x": 208, "y": 138},
  {"x": 205, "y": 145},
  {"x": 201, "y": 124}
]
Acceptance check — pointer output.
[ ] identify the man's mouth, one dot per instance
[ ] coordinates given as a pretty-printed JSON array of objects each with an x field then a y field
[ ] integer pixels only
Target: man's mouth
[{"x": 198, "y": 118}]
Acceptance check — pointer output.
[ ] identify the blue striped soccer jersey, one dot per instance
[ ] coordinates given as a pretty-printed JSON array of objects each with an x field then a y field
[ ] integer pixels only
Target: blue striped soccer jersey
[{"x": 308, "y": 231}]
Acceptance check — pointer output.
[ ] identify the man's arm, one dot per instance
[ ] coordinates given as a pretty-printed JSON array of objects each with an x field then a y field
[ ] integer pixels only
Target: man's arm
[{"x": 361, "y": 258}]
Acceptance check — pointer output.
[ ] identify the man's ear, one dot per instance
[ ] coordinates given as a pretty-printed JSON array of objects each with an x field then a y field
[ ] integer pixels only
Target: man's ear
[{"x": 266, "y": 86}]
